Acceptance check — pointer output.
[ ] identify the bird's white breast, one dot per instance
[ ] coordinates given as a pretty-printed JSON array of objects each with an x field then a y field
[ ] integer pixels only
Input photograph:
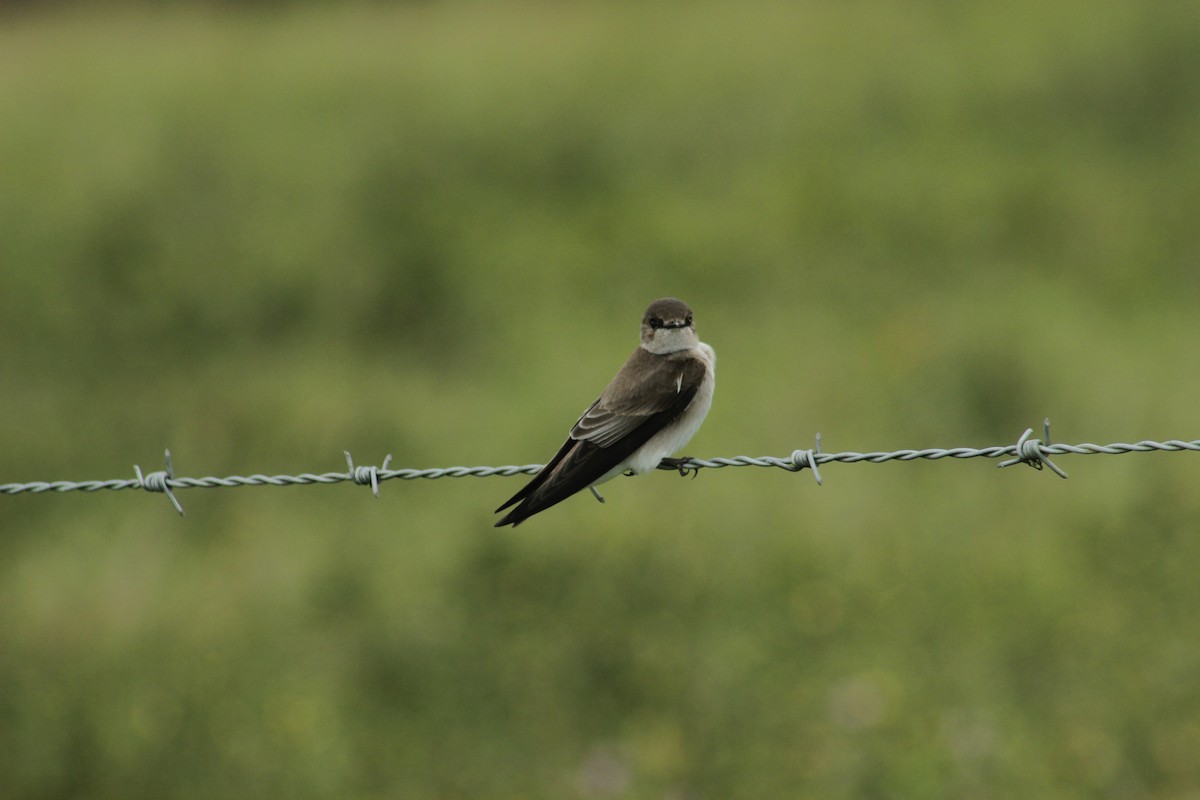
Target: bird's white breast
[{"x": 679, "y": 432}]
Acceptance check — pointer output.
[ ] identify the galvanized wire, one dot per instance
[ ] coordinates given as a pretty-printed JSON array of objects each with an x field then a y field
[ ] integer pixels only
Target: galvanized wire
[{"x": 1027, "y": 450}]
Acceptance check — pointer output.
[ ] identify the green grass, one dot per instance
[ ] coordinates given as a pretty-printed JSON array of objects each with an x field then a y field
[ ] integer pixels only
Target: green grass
[{"x": 262, "y": 238}]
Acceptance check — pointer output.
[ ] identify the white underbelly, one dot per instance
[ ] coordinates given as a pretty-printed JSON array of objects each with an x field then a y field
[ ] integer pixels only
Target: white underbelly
[{"x": 676, "y": 434}]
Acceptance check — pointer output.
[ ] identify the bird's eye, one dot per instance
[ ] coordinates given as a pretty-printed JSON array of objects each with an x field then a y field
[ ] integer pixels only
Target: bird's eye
[
  {"x": 655, "y": 323},
  {"x": 688, "y": 321}
]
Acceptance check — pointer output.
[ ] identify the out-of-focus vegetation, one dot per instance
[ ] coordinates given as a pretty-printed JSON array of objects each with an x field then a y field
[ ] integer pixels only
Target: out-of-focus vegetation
[{"x": 263, "y": 238}]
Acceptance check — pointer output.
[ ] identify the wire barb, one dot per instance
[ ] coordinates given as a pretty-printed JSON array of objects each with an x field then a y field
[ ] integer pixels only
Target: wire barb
[
  {"x": 808, "y": 458},
  {"x": 366, "y": 476},
  {"x": 1030, "y": 451},
  {"x": 160, "y": 482}
]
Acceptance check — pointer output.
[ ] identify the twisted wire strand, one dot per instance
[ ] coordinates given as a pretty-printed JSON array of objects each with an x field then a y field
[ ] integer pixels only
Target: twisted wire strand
[{"x": 1026, "y": 451}]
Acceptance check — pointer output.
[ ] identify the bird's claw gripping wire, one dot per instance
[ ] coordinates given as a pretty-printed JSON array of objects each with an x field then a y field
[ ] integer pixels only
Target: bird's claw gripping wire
[{"x": 683, "y": 466}]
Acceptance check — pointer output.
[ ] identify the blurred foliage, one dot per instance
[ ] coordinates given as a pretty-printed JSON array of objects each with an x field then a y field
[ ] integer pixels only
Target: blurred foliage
[{"x": 262, "y": 237}]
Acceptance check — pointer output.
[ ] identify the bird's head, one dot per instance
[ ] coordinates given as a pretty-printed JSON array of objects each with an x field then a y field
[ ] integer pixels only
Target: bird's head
[{"x": 667, "y": 327}]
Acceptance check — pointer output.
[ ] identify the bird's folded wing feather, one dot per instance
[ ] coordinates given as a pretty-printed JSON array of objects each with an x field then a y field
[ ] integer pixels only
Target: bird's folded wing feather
[{"x": 636, "y": 394}]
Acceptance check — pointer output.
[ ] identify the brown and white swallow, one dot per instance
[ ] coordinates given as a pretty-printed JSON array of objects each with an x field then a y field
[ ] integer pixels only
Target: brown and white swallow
[{"x": 653, "y": 407}]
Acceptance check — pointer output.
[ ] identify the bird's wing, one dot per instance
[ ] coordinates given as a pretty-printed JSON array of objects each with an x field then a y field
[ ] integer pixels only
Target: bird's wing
[
  {"x": 645, "y": 386},
  {"x": 625, "y": 417}
]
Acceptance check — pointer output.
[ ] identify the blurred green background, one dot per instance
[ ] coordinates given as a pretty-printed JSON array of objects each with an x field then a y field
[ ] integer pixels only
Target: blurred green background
[{"x": 260, "y": 236}]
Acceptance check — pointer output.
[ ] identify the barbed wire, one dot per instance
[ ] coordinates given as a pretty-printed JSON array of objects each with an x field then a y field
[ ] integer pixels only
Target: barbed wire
[{"x": 1027, "y": 450}]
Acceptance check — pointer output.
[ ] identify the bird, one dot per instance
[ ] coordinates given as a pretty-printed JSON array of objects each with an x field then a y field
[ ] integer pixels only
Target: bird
[{"x": 650, "y": 409}]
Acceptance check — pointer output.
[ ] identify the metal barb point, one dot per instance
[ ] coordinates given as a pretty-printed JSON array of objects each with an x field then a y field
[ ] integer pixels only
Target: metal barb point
[
  {"x": 366, "y": 476},
  {"x": 160, "y": 482},
  {"x": 684, "y": 466},
  {"x": 808, "y": 458},
  {"x": 1029, "y": 451}
]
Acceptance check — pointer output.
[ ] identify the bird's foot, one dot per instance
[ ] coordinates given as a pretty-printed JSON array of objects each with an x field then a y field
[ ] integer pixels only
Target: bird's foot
[{"x": 682, "y": 465}]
